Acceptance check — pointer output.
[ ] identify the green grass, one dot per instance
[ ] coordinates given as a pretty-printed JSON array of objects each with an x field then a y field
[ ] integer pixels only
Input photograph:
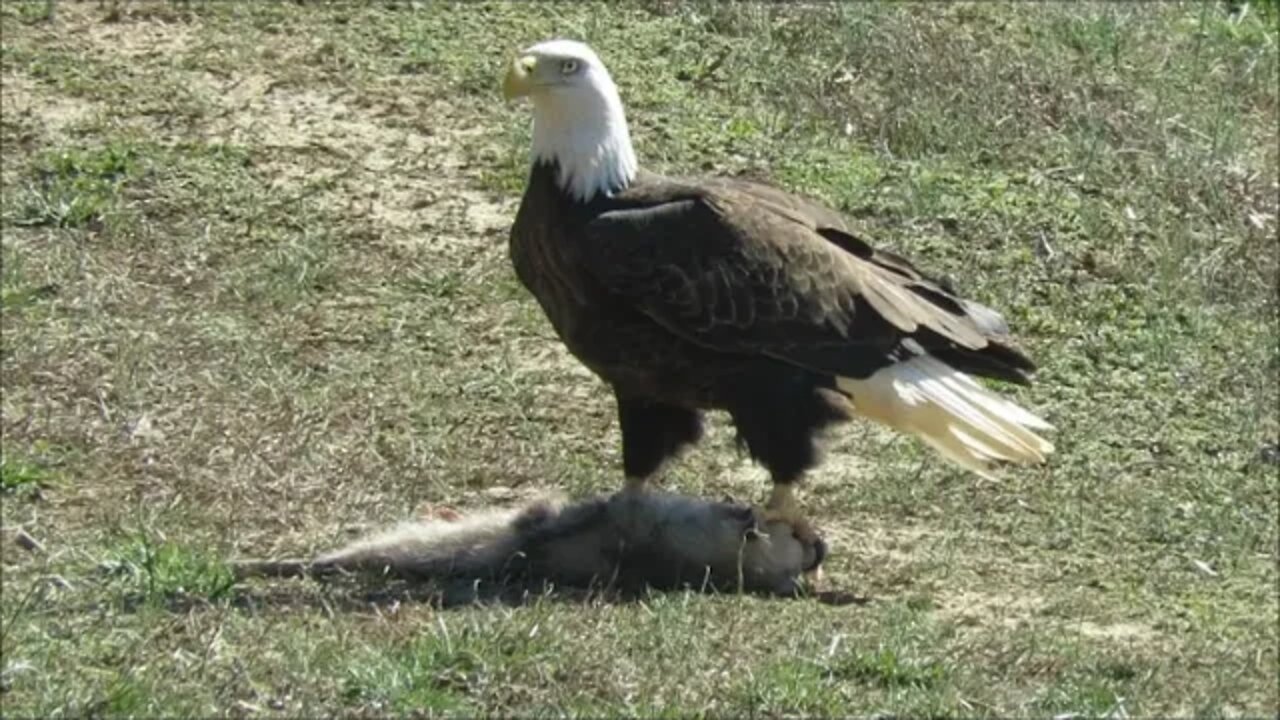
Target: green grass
[
  {"x": 26, "y": 472},
  {"x": 255, "y": 291},
  {"x": 75, "y": 188},
  {"x": 156, "y": 571},
  {"x": 22, "y": 477}
]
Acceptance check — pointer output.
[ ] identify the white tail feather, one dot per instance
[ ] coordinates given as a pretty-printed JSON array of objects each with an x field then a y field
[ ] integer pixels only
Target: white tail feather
[{"x": 950, "y": 411}]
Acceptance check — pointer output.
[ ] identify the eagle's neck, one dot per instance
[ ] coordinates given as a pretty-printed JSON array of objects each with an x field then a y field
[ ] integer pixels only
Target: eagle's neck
[{"x": 585, "y": 135}]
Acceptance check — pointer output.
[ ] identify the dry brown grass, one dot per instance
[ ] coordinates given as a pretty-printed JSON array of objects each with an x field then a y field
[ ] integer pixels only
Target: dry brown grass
[{"x": 256, "y": 295}]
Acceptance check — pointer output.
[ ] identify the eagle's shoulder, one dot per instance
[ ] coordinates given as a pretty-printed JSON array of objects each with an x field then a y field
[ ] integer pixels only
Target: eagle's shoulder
[{"x": 832, "y": 225}]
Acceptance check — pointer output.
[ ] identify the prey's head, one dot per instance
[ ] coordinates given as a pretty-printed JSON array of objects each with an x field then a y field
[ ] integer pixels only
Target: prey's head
[
  {"x": 578, "y": 119},
  {"x": 734, "y": 542},
  {"x": 773, "y": 551}
]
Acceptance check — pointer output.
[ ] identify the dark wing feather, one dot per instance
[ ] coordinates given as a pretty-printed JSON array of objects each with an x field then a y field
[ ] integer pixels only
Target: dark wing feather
[
  {"x": 837, "y": 229},
  {"x": 749, "y": 272}
]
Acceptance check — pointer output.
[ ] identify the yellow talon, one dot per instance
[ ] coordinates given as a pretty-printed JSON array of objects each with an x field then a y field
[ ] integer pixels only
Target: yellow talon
[
  {"x": 782, "y": 498},
  {"x": 782, "y": 507},
  {"x": 801, "y": 526}
]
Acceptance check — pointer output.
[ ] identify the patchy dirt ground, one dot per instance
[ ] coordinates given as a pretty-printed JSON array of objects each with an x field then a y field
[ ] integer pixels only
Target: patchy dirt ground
[{"x": 257, "y": 298}]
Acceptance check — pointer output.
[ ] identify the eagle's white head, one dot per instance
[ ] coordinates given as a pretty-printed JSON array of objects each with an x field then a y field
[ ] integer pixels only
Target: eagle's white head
[{"x": 578, "y": 120}]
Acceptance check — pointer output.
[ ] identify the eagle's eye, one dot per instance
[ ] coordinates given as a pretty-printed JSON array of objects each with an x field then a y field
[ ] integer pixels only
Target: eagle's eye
[{"x": 568, "y": 67}]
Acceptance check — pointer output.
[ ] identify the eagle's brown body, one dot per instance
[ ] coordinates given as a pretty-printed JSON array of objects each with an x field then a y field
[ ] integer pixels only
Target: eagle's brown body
[
  {"x": 724, "y": 294},
  {"x": 625, "y": 347}
]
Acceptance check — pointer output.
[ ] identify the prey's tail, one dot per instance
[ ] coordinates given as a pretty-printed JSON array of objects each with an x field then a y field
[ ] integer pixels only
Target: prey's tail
[
  {"x": 950, "y": 411},
  {"x": 477, "y": 544}
]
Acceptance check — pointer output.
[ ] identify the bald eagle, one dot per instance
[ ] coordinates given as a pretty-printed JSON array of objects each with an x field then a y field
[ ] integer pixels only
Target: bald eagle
[{"x": 689, "y": 295}]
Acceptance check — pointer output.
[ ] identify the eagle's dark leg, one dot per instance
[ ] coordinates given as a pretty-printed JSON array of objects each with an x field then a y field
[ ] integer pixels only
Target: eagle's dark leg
[
  {"x": 779, "y": 423},
  {"x": 652, "y": 433}
]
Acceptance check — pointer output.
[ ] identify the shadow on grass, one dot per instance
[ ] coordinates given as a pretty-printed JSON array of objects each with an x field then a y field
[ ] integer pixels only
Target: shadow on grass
[{"x": 357, "y": 594}]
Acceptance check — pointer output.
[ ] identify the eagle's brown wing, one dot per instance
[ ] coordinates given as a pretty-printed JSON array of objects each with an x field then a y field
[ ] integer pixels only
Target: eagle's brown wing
[
  {"x": 838, "y": 229},
  {"x": 744, "y": 272}
]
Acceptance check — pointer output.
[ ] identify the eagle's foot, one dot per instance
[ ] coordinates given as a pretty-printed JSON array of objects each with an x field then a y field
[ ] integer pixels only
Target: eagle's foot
[
  {"x": 629, "y": 509},
  {"x": 782, "y": 507},
  {"x": 800, "y": 526}
]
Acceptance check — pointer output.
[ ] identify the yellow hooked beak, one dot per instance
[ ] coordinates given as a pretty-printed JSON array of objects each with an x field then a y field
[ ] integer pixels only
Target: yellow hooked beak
[{"x": 519, "y": 79}]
